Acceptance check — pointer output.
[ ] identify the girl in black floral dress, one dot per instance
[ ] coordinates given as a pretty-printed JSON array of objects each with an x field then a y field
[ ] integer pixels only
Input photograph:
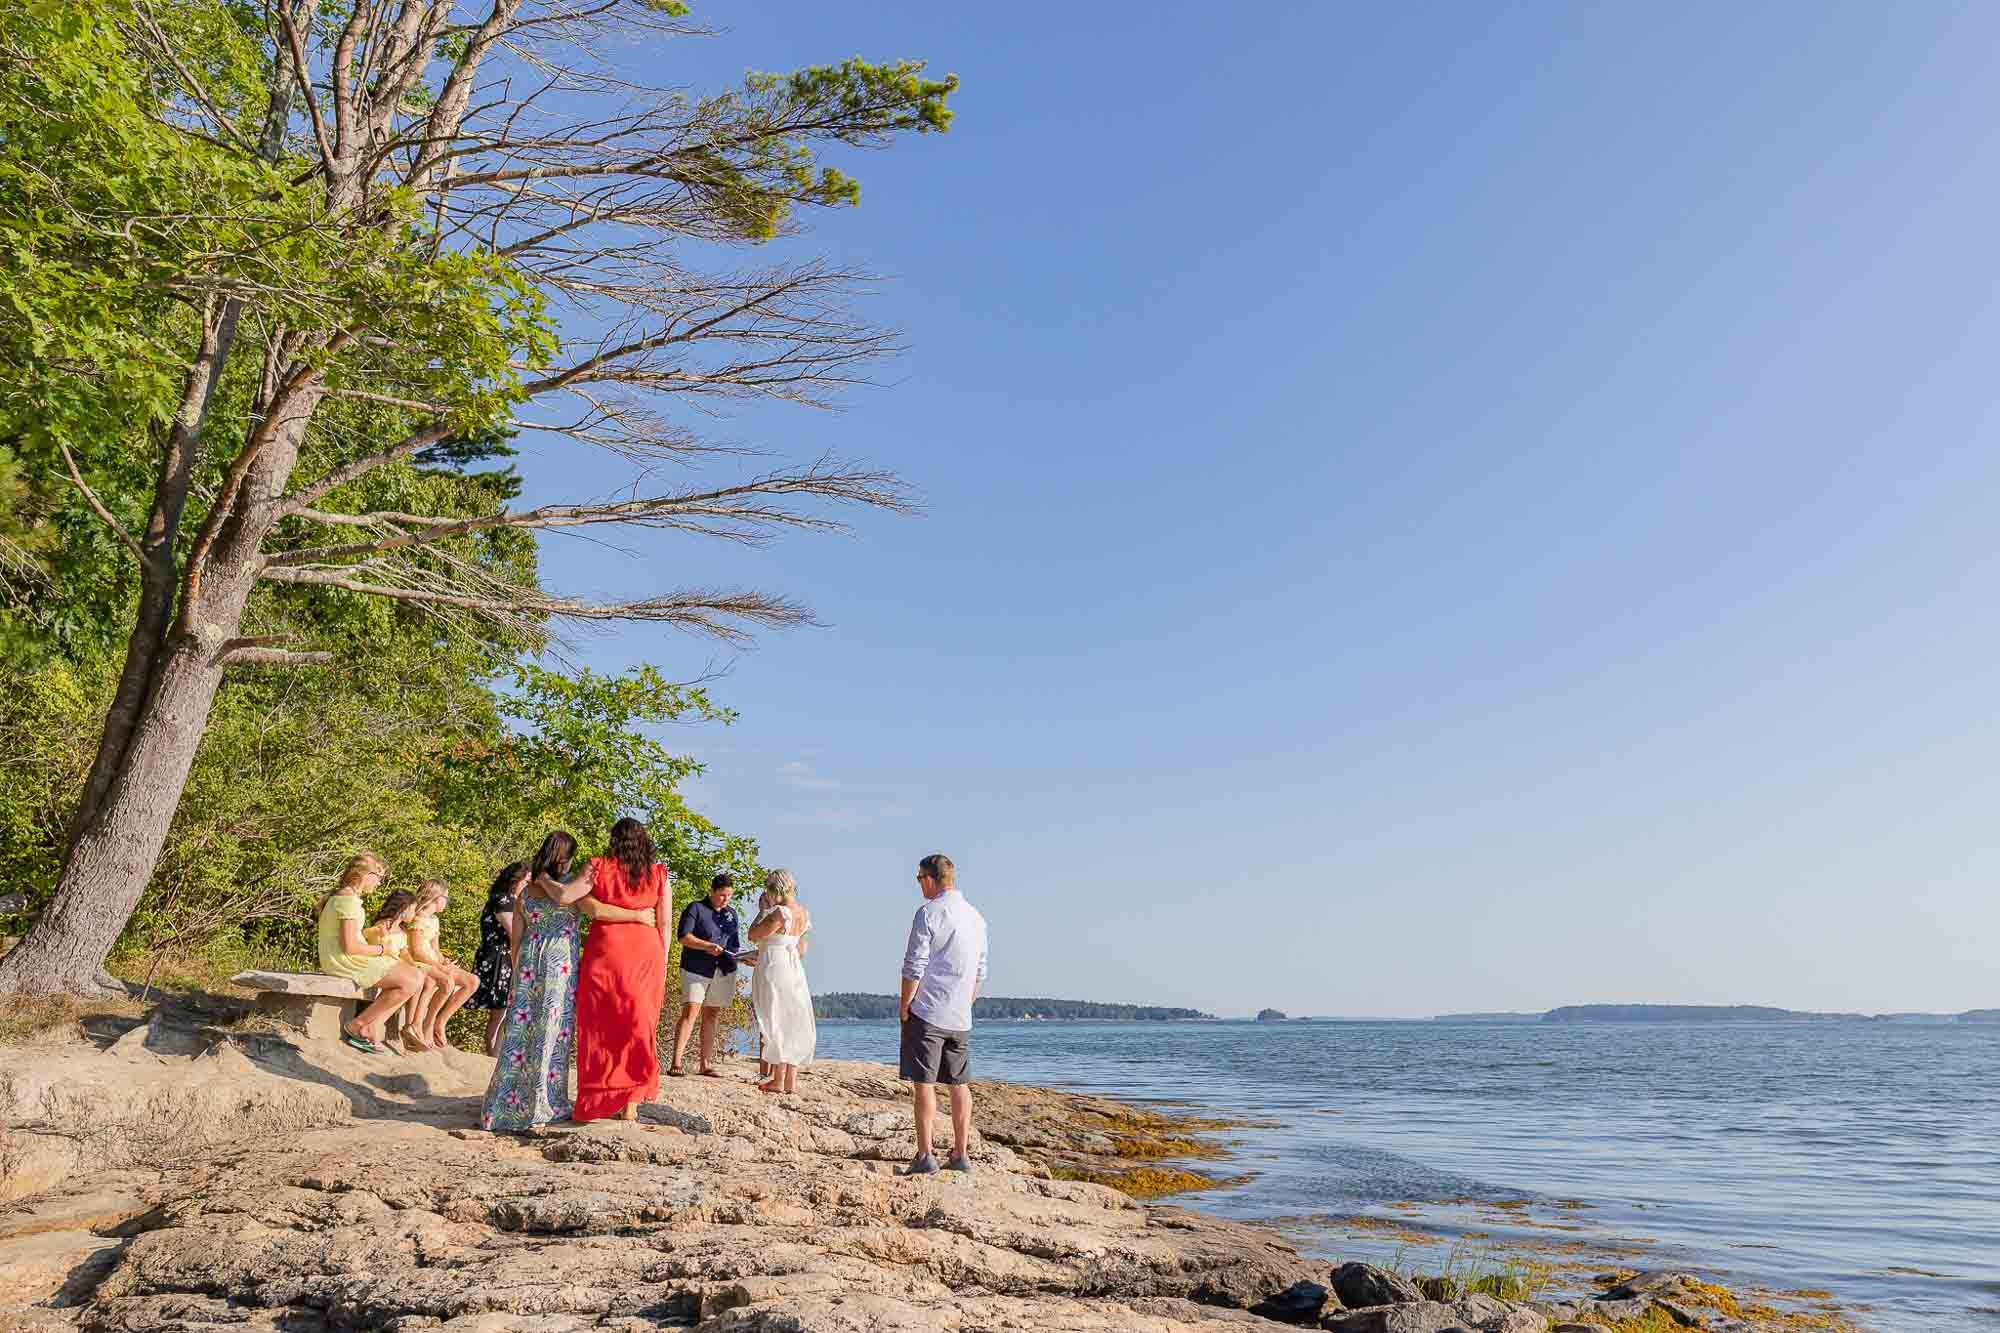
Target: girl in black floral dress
[{"x": 494, "y": 963}]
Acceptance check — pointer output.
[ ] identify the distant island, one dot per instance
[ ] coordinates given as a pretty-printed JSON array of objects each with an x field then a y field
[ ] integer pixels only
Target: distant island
[
  {"x": 1270, "y": 1016},
  {"x": 1683, "y": 1013},
  {"x": 854, "y": 1004},
  {"x": 1710, "y": 1013}
]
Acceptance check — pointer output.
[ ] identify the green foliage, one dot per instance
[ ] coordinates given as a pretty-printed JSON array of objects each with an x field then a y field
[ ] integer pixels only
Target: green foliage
[
  {"x": 135, "y": 203},
  {"x": 406, "y": 747},
  {"x": 114, "y": 222},
  {"x": 409, "y": 755},
  {"x": 580, "y": 754},
  {"x": 117, "y": 226},
  {"x": 49, "y": 711},
  {"x": 854, "y": 102},
  {"x": 77, "y": 143}
]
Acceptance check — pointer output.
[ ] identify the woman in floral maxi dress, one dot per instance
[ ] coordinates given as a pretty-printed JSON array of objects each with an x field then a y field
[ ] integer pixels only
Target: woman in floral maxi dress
[{"x": 530, "y": 1084}]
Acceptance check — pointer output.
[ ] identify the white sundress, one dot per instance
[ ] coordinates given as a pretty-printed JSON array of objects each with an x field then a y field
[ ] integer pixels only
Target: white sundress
[{"x": 783, "y": 999}]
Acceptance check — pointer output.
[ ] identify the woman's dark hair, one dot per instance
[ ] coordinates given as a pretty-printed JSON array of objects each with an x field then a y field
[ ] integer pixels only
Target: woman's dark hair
[
  {"x": 553, "y": 857},
  {"x": 392, "y": 906},
  {"x": 632, "y": 847},
  {"x": 510, "y": 880}
]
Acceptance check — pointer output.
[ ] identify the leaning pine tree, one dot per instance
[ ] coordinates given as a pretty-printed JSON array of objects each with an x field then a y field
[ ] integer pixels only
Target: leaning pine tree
[{"x": 301, "y": 243}]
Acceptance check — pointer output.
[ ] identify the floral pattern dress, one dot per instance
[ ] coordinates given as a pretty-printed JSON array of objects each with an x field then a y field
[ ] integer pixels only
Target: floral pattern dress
[
  {"x": 490, "y": 963},
  {"x": 531, "y": 1078}
]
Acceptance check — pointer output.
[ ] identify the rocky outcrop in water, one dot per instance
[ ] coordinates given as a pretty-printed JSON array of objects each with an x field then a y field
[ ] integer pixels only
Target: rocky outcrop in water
[{"x": 1642, "y": 1303}]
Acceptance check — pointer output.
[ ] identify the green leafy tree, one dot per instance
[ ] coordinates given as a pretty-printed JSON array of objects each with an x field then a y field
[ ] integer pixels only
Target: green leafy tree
[
  {"x": 580, "y": 753},
  {"x": 258, "y": 259}
]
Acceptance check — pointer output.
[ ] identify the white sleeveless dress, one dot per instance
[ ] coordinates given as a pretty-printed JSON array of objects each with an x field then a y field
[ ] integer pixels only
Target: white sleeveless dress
[{"x": 783, "y": 1000}]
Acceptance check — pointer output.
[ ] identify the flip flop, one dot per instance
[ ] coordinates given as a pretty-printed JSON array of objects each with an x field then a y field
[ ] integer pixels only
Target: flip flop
[
  {"x": 362, "y": 1044},
  {"x": 675, "y": 1071},
  {"x": 710, "y": 1073}
]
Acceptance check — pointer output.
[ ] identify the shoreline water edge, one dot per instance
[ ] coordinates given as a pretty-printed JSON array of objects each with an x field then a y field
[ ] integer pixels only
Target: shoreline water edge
[{"x": 194, "y": 1174}]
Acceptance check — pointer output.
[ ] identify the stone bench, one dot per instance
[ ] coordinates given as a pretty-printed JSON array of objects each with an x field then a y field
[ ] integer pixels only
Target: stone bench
[{"x": 312, "y": 1001}]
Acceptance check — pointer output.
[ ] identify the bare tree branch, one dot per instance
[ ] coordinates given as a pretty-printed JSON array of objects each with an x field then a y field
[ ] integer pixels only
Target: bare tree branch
[
  {"x": 390, "y": 400},
  {"x": 272, "y": 657},
  {"x": 359, "y": 468},
  {"x": 745, "y": 513},
  {"x": 704, "y": 611},
  {"x": 256, "y": 641},
  {"x": 97, "y": 505},
  {"x": 164, "y": 48},
  {"x": 300, "y": 68}
]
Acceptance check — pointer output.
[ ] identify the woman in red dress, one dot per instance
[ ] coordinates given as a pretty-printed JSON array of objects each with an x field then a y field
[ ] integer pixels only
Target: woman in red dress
[{"x": 620, "y": 982}]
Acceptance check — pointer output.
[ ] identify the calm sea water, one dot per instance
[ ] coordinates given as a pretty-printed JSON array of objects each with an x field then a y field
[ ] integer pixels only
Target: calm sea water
[{"x": 1858, "y": 1158}]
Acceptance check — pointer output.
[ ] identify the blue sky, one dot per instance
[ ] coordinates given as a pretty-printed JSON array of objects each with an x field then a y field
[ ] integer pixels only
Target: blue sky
[{"x": 1427, "y": 508}]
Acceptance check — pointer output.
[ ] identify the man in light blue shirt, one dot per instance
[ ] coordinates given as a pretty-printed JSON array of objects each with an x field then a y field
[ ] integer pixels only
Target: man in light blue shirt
[{"x": 943, "y": 968}]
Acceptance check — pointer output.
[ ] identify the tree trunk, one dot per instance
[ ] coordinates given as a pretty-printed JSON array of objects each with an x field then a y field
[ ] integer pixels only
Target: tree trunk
[
  {"x": 112, "y": 860},
  {"x": 159, "y": 577},
  {"x": 167, "y": 685}
]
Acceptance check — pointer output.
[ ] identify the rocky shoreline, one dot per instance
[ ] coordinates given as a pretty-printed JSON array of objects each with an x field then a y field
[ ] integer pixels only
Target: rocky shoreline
[{"x": 185, "y": 1176}]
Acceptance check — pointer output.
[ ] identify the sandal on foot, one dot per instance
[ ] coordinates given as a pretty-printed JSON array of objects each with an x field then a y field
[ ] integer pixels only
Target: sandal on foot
[
  {"x": 710, "y": 1073},
  {"x": 675, "y": 1071},
  {"x": 362, "y": 1044}
]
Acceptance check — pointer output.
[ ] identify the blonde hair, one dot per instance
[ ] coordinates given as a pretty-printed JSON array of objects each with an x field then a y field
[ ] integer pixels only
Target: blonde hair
[
  {"x": 367, "y": 863},
  {"x": 432, "y": 889},
  {"x": 938, "y": 866},
  {"x": 781, "y": 886},
  {"x": 359, "y": 868}
]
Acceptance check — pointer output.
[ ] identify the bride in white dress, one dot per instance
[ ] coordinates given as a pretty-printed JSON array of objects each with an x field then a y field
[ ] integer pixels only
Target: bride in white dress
[{"x": 779, "y": 991}]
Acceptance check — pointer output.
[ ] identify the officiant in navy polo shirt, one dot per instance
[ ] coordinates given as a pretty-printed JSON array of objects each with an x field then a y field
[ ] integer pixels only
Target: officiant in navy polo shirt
[{"x": 709, "y": 943}]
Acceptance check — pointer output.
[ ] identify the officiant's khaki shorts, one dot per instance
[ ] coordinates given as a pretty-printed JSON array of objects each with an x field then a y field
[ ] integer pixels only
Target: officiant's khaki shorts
[
  {"x": 708, "y": 992},
  {"x": 934, "y": 1054}
]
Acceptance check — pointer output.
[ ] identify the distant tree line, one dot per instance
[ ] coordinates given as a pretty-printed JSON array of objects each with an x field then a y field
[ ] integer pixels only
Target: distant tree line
[
  {"x": 1740, "y": 1013},
  {"x": 851, "y": 1004}
]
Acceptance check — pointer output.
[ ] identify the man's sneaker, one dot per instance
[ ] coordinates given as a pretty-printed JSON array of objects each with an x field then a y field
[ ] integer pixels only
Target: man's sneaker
[
  {"x": 959, "y": 1164},
  {"x": 924, "y": 1165}
]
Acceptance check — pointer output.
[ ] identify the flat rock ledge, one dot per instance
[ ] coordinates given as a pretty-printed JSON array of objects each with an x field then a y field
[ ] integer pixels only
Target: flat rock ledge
[
  {"x": 266, "y": 1182},
  {"x": 184, "y": 1177}
]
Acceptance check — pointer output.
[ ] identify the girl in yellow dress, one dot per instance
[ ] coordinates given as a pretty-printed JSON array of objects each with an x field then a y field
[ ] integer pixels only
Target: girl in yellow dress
[
  {"x": 343, "y": 952},
  {"x": 390, "y": 930},
  {"x": 455, "y": 985}
]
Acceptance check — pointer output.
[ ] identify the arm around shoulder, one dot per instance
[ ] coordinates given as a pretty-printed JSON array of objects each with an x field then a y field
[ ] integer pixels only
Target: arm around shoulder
[{"x": 572, "y": 893}]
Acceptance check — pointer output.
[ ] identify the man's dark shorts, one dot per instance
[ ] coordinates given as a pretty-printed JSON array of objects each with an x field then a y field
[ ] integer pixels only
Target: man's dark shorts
[{"x": 935, "y": 1054}]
